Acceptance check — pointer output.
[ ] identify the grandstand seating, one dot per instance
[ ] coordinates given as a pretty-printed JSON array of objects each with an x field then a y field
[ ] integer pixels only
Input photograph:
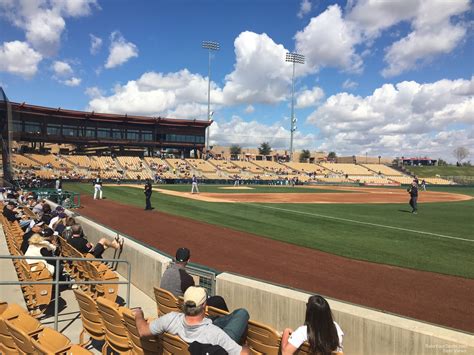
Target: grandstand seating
[
  {"x": 174, "y": 345},
  {"x": 248, "y": 167},
  {"x": 382, "y": 169},
  {"x": 140, "y": 346},
  {"x": 166, "y": 302},
  {"x": 347, "y": 169},
  {"x": 274, "y": 167},
  {"x": 92, "y": 322},
  {"x": 179, "y": 167},
  {"x": 22, "y": 161},
  {"x": 202, "y": 165},
  {"x": 226, "y": 166},
  {"x": 116, "y": 334}
]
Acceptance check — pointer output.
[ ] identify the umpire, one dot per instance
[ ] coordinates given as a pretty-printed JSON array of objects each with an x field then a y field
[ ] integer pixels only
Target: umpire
[
  {"x": 413, "y": 191},
  {"x": 148, "y": 191}
]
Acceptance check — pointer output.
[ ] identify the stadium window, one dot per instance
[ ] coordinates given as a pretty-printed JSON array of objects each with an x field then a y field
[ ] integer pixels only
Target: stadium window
[
  {"x": 90, "y": 133},
  {"x": 70, "y": 131},
  {"x": 116, "y": 134},
  {"x": 133, "y": 135},
  {"x": 32, "y": 127},
  {"x": 103, "y": 133},
  {"x": 17, "y": 126},
  {"x": 53, "y": 129},
  {"x": 147, "y": 136}
]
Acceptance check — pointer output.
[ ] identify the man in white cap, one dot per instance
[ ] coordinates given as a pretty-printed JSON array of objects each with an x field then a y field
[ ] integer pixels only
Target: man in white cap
[{"x": 192, "y": 325}]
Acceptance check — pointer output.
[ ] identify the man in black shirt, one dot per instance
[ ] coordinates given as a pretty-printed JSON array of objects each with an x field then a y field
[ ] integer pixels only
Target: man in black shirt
[
  {"x": 413, "y": 191},
  {"x": 80, "y": 242},
  {"x": 148, "y": 191},
  {"x": 10, "y": 212}
]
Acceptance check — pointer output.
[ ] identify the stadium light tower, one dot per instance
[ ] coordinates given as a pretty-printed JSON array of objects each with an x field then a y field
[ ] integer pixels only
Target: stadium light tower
[
  {"x": 293, "y": 58},
  {"x": 210, "y": 46}
]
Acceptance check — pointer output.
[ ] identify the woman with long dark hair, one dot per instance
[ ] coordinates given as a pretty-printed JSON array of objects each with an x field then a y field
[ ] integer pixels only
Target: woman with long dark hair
[{"x": 319, "y": 330}]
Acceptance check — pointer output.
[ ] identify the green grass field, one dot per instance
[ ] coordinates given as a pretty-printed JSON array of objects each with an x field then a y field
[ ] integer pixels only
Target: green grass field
[{"x": 439, "y": 239}]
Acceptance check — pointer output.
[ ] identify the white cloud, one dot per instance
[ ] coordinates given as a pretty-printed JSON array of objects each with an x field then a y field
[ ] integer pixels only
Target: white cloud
[
  {"x": 43, "y": 21},
  {"x": 18, "y": 58},
  {"x": 96, "y": 44},
  {"x": 433, "y": 29},
  {"x": 418, "y": 47},
  {"x": 250, "y": 109},
  {"x": 62, "y": 68},
  {"x": 180, "y": 94},
  {"x": 75, "y": 8},
  {"x": 305, "y": 8},
  {"x": 406, "y": 119},
  {"x": 349, "y": 84},
  {"x": 93, "y": 92},
  {"x": 120, "y": 51},
  {"x": 308, "y": 98},
  {"x": 260, "y": 72},
  {"x": 72, "y": 81},
  {"x": 253, "y": 133},
  {"x": 64, "y": 74},
  {"x": 329, "y": 41}
]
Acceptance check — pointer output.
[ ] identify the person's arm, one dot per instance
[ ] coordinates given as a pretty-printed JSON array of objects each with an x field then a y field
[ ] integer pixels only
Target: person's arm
[
  {"x": 286, "y": 347},
  {"x": 245, "y": 350},
  {"x": 142, "y": 325}
]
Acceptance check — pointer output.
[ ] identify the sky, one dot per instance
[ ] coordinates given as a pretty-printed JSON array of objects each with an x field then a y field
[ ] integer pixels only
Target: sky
[{"x": 391, "y": 78}]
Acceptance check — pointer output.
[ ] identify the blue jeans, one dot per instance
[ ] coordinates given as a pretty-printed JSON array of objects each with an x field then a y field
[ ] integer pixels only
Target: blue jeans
[{"x": 234, "y": 324}]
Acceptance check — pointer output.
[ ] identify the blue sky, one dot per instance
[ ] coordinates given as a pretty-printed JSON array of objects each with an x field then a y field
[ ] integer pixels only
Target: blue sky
[{"x": 390, "y": 78}]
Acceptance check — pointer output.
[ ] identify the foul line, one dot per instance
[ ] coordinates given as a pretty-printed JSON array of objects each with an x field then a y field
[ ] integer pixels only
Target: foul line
[{"x": 359, "y": 222}]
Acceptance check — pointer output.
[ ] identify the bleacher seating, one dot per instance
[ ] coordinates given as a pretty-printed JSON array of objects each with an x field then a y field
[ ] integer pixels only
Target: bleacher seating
[{"x": 383, "y": 169}]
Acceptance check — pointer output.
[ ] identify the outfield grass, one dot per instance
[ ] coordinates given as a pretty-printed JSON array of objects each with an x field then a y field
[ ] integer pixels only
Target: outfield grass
[
  {"x": 432, "y": 171},
  {"x": 382, "y": 233}
]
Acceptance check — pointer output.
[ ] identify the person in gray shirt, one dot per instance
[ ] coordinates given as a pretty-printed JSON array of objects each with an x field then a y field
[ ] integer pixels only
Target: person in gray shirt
[{"x": 192, "y": 325}]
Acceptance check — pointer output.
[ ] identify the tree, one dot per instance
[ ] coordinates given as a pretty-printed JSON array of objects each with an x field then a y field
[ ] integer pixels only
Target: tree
[
  {"x": 461, "y": 153},
  {"x": 332, "y": 155},
  {"x": 265, "y": 149},
  {"x": 441, "y": 162},
  {"x": 304, "y": 156},
  {"x": 235, "y": 149}
]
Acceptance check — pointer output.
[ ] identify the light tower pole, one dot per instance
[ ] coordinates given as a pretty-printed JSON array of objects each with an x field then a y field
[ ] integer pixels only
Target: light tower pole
[
  {"x": 293, "y": 58},
  {"x": 210, "y": 46}
]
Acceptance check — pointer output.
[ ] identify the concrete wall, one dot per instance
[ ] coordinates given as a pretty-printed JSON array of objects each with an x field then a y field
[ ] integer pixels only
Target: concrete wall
[{"x": 366, "y": 331}]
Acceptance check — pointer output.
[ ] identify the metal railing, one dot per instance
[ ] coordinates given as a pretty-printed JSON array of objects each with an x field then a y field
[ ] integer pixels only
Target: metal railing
[{"x": 56, "y": 281}]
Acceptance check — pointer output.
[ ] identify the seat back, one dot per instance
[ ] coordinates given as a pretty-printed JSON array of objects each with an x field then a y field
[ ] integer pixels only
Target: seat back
[
  {"x": 166, "y": 301},
  {"x": 140, "y": 346},
  {"x": 77, "y": 350},
  {"x": 304, "y": 350},
  {"x": 173, "y": 344},
  {"x": 8, "y": 311},
  {"x": 263, "y": 338},
  {"x": 90, "y": 316},
  {"x": 215, "y": 312},
  {"x": 116, "y": 335},
  {"x": 20, "y": 336},
  {"x": 50, "y": 342}
]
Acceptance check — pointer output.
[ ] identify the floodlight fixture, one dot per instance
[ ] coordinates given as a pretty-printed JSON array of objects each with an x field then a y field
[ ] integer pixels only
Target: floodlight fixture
[
  {"x": 210, "y": 46},
  {"x": 294, "y": 58}
]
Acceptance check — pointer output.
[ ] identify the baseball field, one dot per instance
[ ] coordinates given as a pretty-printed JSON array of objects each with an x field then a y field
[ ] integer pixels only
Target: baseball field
[
  {"x": 356, "y": 244},
  {"x": 371, "y": 224}
]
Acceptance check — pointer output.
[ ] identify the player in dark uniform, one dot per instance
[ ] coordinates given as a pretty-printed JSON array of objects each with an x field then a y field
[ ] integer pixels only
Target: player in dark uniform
[
  {"x": 148, "y": 191},
  {"x": 413, "y": 191}
]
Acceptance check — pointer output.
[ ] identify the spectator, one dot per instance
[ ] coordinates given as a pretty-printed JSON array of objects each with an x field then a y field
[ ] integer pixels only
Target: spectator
[
  {"x": 47, "y": 213},
  {"x": 10, "y": 212},
  {"x": 192, "y": 325},
  {"x": 176, "y": 279},
  {"x": 323, "y": 334},
  {"x": 39, "y": 246},
  {"x": 79, "y": 241},
  {"x": 35, "y": 228}
]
